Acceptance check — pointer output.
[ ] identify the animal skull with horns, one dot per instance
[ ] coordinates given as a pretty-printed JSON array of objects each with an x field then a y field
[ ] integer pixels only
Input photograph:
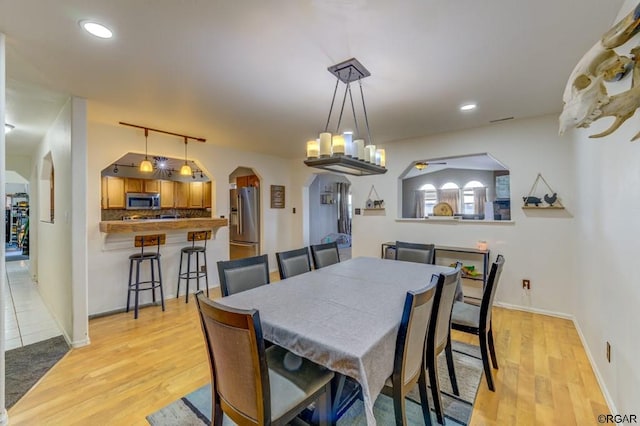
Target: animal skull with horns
[{"x": 585, "y": 96}]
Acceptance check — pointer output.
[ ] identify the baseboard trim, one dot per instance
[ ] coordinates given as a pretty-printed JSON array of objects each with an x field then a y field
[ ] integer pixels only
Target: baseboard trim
[
  {"x": 81, "y": 343},
  {"x": 594, "y": 366},
  {"x": 534, "y": 310}
]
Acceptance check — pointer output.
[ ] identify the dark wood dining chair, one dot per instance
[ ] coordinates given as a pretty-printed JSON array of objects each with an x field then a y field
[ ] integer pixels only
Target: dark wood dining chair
[
  {"x": 477, "y": 320},
  {"x": 408, "y": 365},
  {"x": 253, "y": 385},
  {"x": 243, "y": 274},
  {"x": 325, "y": 254},
  {"x": 439, "y": 335},
  {"x": 414, "y": 252},
  {"x": 293, "y": 262}
]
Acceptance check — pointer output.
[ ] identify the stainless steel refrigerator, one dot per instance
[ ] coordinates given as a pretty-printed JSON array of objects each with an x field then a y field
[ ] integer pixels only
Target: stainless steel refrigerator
[{"x": 244, "y": 217}]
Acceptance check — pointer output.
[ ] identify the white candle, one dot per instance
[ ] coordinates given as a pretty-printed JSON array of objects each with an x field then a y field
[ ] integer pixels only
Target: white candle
[
  {"x": 377, "y": 157},
  {"x": 370, "y": 153},
  {"x": 325, "y": 144},
  {"x": 348, "y": 144},
  {"x": 383, "y": 157},
  {"x": 313, "y": 149},
  {"x": 358, "y": 148},
  {"x": 337, "y": 145}
]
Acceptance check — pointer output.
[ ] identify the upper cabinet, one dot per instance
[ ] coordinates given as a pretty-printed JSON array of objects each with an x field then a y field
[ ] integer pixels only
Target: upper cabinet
[
  {"x": 167, "y": 194},
  {"x": 113, "y": 192},
  {"x": 151, "y": 185},
  {"x": 207, "y": 195},
  {"x": 196, "y": 194},
  {"x": 133, "y": 185},
  {"x": 250, "y": 180}
]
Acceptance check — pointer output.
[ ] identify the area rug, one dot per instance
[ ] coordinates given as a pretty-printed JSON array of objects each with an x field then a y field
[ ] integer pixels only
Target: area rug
[
  {"x": 195, "y": 408},
  {"x": 26, "y": 365}
]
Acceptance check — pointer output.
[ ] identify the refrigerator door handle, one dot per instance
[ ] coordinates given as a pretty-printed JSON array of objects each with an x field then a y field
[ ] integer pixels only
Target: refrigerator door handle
[{"x": 240, "y": 215}]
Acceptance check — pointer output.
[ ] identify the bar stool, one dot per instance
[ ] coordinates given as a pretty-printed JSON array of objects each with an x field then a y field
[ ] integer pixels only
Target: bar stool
[
  {"x": 196, "y": 251},
  {"x": 143, "y": 241}
]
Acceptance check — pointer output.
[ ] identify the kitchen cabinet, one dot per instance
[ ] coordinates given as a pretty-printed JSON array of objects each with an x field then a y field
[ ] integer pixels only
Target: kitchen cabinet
[
  {"x": 133, "y": 185},
  {"x": 196, "y": 193},
  {"x": 113, "y": 192},
  {"x": 207, "y": 195},
  {"x": 151, "y": 185},
  {"x": 167, "y": 196},
  {"x": 250, "y": 180},
  {"x": 181, "y": 195}
]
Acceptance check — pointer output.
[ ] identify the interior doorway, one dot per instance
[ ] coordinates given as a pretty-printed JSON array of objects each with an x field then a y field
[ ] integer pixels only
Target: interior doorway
[
  {"x": 244, "y": 213},
  {"x": 329, "y": 211},
  {"x": 16, "y": 217}
]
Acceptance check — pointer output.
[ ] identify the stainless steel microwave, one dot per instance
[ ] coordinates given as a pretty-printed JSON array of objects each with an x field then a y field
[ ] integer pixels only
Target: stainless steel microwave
[{"x": 143, "y": 201}]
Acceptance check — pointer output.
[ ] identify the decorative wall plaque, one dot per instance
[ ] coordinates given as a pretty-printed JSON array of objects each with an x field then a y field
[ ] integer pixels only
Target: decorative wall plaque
[{"x": 277, "y": 196}]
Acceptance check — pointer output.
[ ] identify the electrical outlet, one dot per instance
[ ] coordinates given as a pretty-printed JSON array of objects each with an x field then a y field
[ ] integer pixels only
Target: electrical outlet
[
  {"x": 526, "y": 284},
  {"x": 294, "y": 210},
  {"x": 608, "y": 352}
]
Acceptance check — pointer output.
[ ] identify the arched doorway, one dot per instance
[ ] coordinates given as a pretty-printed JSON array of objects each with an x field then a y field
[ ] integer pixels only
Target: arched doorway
[
  {"x": 244, "y": 213},
  {"x": 329, "y": 212}
]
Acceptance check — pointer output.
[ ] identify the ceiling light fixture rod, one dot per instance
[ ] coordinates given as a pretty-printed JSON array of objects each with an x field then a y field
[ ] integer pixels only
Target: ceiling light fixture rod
[
  {"x": 344, "y": 98},
  {"x": 364, "y": 108},
  {"x": 163, "y": 131},
  {"x": 353, "y": 109},
  {"x": 326, "y": 127}
]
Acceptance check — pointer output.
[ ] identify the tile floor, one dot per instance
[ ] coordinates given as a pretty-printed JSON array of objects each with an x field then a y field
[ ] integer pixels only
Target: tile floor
[{"x": 27, "y": 318}]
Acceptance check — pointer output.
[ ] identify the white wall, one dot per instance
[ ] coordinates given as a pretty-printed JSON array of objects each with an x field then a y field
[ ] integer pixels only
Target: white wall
[
  {"x": 536, "y": 244},
  {"x": 108, "y": 266},
  {"x": 52, "y": 241},
  {"x": 608, "y": 226}
]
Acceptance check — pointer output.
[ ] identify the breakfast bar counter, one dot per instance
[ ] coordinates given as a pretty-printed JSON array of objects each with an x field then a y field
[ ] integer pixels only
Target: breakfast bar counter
[{"x": 129, "y": 226}]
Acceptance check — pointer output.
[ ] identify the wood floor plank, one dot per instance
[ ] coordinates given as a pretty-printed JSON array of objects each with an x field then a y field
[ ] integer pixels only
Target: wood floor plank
[{"x": 135, "y": 367}]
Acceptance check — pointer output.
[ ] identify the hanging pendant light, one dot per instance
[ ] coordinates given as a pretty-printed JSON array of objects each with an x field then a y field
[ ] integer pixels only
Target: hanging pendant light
[
  {"x": 145, "y": 165},
  {"x": 185, "y": 170},
  {"x": 347, "y": 153}
]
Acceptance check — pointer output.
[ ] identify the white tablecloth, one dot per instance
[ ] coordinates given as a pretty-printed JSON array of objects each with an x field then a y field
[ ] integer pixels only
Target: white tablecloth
[{"x": 344, "y": 316}]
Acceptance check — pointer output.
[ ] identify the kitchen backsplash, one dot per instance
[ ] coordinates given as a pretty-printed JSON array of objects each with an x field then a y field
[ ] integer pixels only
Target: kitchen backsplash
[{"x": 115, "y": 214}]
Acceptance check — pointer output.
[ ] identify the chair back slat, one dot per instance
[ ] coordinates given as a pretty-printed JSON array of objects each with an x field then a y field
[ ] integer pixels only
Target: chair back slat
[
  {"x": 237, "y": 360},
  {"x": 243, "y": 274},
  {"x": 414, "y": 252},
  {"x": 440, "y": 325},
  {"x": 490, "y": 292},
  {"x": 293, "y": 262},
  {"x": 325, "y": 254},
  {"x": 150, "y": 240},
  {"x": 199, "y": 235},
  {"x": 412, "y": 334}
]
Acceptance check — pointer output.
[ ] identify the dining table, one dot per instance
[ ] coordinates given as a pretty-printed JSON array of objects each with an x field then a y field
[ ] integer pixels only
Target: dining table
[{"x": 345, "y": 316}]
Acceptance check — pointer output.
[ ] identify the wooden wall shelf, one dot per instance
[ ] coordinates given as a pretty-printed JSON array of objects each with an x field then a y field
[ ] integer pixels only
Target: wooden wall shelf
[{"x": 544, "y": 207}]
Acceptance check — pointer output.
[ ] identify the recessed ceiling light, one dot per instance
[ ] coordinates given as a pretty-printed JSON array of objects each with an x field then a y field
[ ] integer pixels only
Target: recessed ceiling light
[
  {"x": 468, "y": 107},
  {"x": 8, "y": 127},
  {"x": 96, "y": 29}
]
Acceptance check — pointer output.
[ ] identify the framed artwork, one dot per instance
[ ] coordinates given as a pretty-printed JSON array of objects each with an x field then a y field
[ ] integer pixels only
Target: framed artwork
[{"x": 277, "y": 196}]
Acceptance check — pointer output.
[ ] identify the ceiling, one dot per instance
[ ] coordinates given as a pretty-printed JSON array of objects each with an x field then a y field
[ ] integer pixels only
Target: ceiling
[
  {"x": 462, "y": 162},
  {"x": 253, "y": 74}
]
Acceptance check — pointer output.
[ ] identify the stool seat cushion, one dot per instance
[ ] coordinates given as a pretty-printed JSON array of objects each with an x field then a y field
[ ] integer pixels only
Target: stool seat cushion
[
  {"x": 190, "y": 249},
  {"x": 144, "y": 256}
]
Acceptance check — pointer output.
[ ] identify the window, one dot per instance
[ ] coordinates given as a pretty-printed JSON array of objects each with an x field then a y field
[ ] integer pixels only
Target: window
[
  {"x": 474, "y": 197},
  {"x": 469, "y": 197},
  {"x": 450, "y": 193},
  {"x": 430, "y": 198}
]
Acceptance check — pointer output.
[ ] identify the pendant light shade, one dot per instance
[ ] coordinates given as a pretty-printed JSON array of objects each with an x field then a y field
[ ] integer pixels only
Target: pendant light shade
[
  {"x": 185, "y": 170},
  {"x": 145, "y": 165}
]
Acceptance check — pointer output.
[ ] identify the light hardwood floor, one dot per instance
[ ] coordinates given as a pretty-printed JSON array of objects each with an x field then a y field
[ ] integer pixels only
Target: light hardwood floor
[{"x": 135, "y": 367}]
